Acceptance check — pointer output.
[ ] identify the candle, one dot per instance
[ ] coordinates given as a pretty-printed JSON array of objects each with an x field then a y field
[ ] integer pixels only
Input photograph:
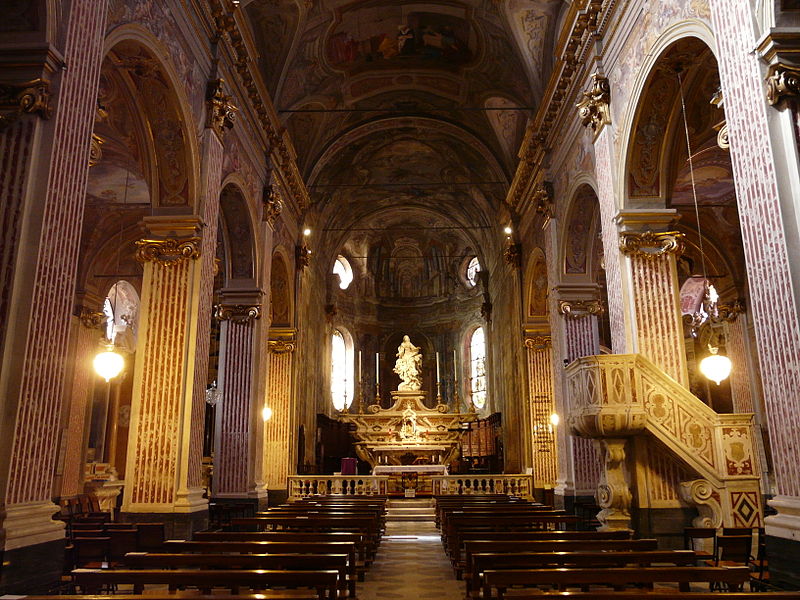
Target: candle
[
  {"x": 455, "y": 366},
  {"x": 437, "y": 368},
  {"x": 377, "y": 368},
  {"x": 359, "y": 366}
]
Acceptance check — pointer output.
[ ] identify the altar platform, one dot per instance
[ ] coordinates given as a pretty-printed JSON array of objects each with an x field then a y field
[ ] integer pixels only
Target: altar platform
[{"x": 418, "y": 478}]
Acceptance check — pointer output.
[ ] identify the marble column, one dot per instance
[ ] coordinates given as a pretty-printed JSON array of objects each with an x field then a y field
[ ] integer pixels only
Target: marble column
[
  {"x": 579, "y": 307},
  {"x": 87, "y": 335},
  {"x": 44, "y": 142},
  {"x": 764, "y": 154},
  {"x": 279, "y": 434},
  {"x": 650, "y": 247},
  {"x": 239, "y": 410},
  {"x": 163, "y": 415},
  {"x": 541, "y": 399}
]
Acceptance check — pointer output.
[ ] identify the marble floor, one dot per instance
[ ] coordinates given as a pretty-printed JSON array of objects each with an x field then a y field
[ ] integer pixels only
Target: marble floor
[{"x": 410, "y": 564}]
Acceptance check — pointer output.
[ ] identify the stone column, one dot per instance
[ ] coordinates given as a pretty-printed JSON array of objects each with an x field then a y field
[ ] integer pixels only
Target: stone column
[
  {"x": 42, "y": 194},
  {"x": 239, "y": 411},
  {"x": 279, "y": 434},
  {"x": 738, "y": 351},
  {"x": 163, "y": 414},
  {"x": 764, "y": 154},
  {"x": 542, "y": 404},
  {"x": 650, "y": 264},
  {"x": 86, "y": 331}
]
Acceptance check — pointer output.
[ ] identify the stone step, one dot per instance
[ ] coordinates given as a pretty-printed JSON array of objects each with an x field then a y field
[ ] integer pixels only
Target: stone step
[{"x": 410, "y": 502}]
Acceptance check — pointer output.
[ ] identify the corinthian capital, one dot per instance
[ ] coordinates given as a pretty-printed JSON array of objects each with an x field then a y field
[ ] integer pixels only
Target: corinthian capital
[
  {"x": 237, "y": 313},
  {"x": 16, "y": 99},
  {"x": 651, "y": 244},
  {"x": 578, "y": 309},
  {"x": 783, "y": 83},
  {"x": 168, "y": 252},
  {"x": 221, "y": 111}
]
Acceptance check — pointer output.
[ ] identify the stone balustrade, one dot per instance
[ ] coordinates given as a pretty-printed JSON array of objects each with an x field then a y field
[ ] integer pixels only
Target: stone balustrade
[
  {"x": 466, "y": 485},
  {"x": 302, "y": 486}
]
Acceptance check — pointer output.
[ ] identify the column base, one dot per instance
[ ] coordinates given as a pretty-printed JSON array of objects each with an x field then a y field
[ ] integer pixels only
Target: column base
[
  {"x": 783, "y": 541},
  {"x": 33, "y": 548}
]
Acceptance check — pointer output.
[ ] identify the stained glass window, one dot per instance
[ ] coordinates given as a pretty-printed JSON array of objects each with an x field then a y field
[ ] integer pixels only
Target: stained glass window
[{"x": 477, "y": 358}]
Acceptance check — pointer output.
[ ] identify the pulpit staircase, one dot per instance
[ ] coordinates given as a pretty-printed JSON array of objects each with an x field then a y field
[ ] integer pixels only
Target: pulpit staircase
[{"x": 616, "y": 397}]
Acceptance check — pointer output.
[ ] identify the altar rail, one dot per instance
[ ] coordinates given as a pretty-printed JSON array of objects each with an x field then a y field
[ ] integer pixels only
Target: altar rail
[
  {"x": 467, "y": 485},
  {"x": 302, "y": 486}
]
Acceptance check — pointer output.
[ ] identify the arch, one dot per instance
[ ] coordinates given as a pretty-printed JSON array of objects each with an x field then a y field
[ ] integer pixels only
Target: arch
[
  {"x": 342, "y": 268},
  {"x": 239, "y": 243},
  {"x": 477, "y": 356},
  {"x": 691, "y": 29},
  {"x": 121, "y": 307},
  {"x": 281, "y": 306},
  {"x": 578, "y": 235},
  {"x": 163, "y": 99}
]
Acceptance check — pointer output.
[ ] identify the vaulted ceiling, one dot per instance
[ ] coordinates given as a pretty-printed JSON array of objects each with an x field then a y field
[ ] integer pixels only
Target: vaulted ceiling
[{"x": 391, "y": 103}]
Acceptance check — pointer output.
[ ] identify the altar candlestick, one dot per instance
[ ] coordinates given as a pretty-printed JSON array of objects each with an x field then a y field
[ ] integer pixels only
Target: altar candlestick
[
  {"x": 359, "y": 366},
  {"x": 377, "y": 368},
  {"x": 455, "y": 366},
  {"x": 437, "y": 368}
]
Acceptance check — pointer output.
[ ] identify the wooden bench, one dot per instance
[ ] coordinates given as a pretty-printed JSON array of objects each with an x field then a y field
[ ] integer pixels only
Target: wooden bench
[
  {"x": 300, "y": 594},
  {"x": 323, "y": 581},
  {"x": 546, "y": 546},
  {"x": 661, "y": 594},
  {"x": 618, "y": 578},
  {"x": 530, "y": 536},
  {"x": 288, "y": 536},
  {"x": 481, "y": 562},
  {"x": 275, "y": 562}
]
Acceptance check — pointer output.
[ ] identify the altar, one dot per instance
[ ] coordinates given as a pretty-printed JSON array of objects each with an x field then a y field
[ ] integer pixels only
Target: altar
[{"x": 410, "y": 477}]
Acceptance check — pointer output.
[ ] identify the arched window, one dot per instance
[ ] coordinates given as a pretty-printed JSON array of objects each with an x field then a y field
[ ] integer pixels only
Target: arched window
[
  {"x": 121, "y": 308},
  {"x": 341, "y": 370},
  {"x": 342, "y": 268},
  {"x": 473, "y": 268},
  {"x": 477, "y": 368}
]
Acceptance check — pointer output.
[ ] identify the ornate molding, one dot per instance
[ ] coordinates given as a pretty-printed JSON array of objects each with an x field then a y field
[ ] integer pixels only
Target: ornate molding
[
  {"x": 95, "y": 149},
  {"x": 302, "y": 254},
  {"x": 593, "y": 107},
  {"x": 651, "y": 244},
  {"x": 783, "y": 83},
  {"x": 272, "y": 203},
  {"x": 237, "y": 313},
  {"x": 220, "y": 108},
  {"x": 17, "y": 99},
  {"x": 701, "y": 493},
  {"x": 280, "y": 346},
  {"x": 543, "y": 201},
  {"x": 613, "y": 491},
  {"x": 167, "y": 252},
  {"x": 92, "y": 319},
  {"x": 578, "y": 309},
  {"x": 513, "y": 254},
  {"x": 539, "y": 343}
]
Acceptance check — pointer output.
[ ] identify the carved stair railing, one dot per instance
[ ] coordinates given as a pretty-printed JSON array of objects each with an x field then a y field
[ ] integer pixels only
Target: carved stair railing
[{"x": 614, "y": 397}]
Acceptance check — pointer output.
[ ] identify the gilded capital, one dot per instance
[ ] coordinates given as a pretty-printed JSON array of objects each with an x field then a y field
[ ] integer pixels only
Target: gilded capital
[
  {"x": 543, "y": 201},
  {"x": 539, "y": 343},
  {"x": 651, "y": 244},
  {"x": 31, "y": 97},
  {"x": 221, "y": 111},
  {"x": 593, "y": 108},
  {"x": 95, "y": 149},
  {"x": 92, "y": 319},
  {"x": 168, "y": 252},
  {"x": 237, "y": 313},
  {"x": 783, "y": 83},
  {"x": 280, "y": 346},
  {"x": 578, "y": 309}
]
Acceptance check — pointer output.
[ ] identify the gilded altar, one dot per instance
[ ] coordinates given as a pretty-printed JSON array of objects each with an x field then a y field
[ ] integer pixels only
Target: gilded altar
[{"x": 408, "y": 432}]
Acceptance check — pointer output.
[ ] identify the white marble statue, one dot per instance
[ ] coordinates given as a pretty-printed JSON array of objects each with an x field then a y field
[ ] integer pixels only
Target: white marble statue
[{"x": 408, "y": 366}]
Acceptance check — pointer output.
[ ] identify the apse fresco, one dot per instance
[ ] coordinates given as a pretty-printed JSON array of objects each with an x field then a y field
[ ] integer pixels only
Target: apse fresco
[{"x": 392, "y": 37}]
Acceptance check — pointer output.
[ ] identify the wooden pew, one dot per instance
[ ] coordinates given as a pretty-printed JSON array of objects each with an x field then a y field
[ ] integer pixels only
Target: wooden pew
[
  {"x": 275, "y": 562},
  {"x": 323, "y": 581},
  {"x": 544, "y": 546},
  {"x": 268, "y": 547},
  {"x": 288, "y": 536},
  {"x": 522, "y": 595},
  {"x": 619, "y": 578},
  {"x": 530, "y": 536},
  {"x": 481, "y": 562}
]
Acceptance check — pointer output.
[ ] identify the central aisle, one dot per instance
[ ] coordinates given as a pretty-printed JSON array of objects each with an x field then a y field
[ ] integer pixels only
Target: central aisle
[{"x": 411, "y": 563}]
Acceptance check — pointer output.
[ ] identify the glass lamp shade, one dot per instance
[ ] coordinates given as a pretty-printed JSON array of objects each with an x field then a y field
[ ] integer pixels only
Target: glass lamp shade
[
  {"x": 715, "y": 366},
  {"x": 108, "y": 363},
  {"x": 266, "y": 413}
]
